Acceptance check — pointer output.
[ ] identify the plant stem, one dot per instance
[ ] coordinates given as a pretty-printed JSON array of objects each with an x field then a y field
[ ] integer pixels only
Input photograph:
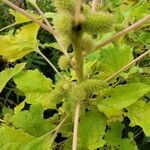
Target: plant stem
[
  {"x": 9, "y": 26},
  {"x": 39, "y": 52},
  {"x": 94, "y": 5},
  {"x": 25, "y": 13},
  {"x": 121, "y": 33},
  {"x": 127, "y": 66},
  {"x": 57, "y": 130},
  {"x": 46, "y": 26},
  {"x": 75, "y": 130}
]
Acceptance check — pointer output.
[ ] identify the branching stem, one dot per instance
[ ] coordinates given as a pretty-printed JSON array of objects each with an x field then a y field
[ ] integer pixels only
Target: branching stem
[
  {"x": 127, "y": 66},
  {"x": 48, "y": 61},
  {"x": 122, "y": 33}
]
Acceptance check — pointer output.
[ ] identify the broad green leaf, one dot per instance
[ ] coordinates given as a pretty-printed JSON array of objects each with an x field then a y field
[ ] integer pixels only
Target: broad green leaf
[
  {"x": 19, "y": 45},
  {"x": 91, "y": 130},
  {"x": 32, "y": 121},
  {"x": 33, "y": 2},
  {"x": 12, "y": 139},
  {"x": 139, "y": 114},
  {"x": 8, "y": 73},
  {"x": 122, "y": 96},
  {"x": 114, "y": 138},
  {"x": 112, "y": 59},
  {"x": 35, "y": 86},
  {"x": 19, "y": 18}
]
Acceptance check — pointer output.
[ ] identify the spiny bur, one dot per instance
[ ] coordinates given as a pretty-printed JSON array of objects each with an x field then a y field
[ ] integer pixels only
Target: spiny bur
[
  {"x": 91, "y": 86},
  {"x": 64, "y": 62},
  {"x": 87, "y": 43},
  {"x": 64, "y": 5},
  {"x": 98, "y": 22},
  {"x": 63, "y": 23},
  {"x": 77, "y": 93}
]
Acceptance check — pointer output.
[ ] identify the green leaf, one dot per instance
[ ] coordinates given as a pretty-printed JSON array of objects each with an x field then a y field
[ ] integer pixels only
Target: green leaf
[
  {"x": 114, "y": 138},
  {"x": 139, "y": 114},
  {"x": 35, "y": 86},
  {"x": 16, "y": 46},
  {"x": 32, "y": 121},
  {"x": 112, "y": 59},
  {"x": 12, "y": 139},
  {"x": 121, "y": 97},
  {"x": 19, "y": 18},
  {"x": 8, "y": 73},
  {"x": 91, "y": 130}
]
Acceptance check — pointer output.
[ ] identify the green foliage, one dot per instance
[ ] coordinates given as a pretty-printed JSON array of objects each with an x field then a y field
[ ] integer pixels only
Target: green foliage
[
  {"x": 91, "y": 130},
  {"x": 110, "y": 110},
  {"x": 139, "y": 114},
  {"x": 16, "y": 46},
  {"x": 117, "y": 98},
  {"x": 36, "y": 92},
  {"x": 32, "y": 121},
  {"x": 9, "y": 73},
  {"x": 14, "y": 139}
]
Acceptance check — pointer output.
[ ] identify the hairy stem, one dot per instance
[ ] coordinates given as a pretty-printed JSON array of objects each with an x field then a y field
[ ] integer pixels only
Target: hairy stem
[
  {"x": 122, "y": 33},
  {"x": 127, "y": 66},
  {"x": 78, "y": 68},
  {"x": 94, "y": 5}
]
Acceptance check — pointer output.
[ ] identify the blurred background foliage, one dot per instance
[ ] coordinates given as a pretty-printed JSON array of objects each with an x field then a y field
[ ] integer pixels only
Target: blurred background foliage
[{"x": 125, "y": 13}]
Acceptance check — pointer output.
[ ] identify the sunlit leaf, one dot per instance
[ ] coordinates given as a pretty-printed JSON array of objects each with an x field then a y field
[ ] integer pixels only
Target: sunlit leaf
[
  {"x": 35, "y": 86},
  {"x": 8, "y": 73},
  {"x": 19, "y": 45},
  {"x": 121, "y": 97},
  {"x": 91, "y": 130},
  {"x": 32, "y": 121},
  {"x": 139, "y": 114}
]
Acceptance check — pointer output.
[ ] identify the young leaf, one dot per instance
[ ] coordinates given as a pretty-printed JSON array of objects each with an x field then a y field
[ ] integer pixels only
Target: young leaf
[
  {"x": 35, "y": 86},
  {"x": 8, "y": 73},
  {"x": 113, "y": 59},
  {"x": 19, "y": 18},
  {"x": 32, "y": 121},
  {"x": 19, "y": 45},
  {"x": 114, "y": 138},
  {"x": 13, "y": 139},
  {"x": 121, "y": 97},
  {"x": 139, "y": 114},
  {"x": 91, "y": 130}
]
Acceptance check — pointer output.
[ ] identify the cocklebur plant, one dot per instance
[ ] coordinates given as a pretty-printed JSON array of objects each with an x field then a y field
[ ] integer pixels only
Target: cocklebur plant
[{"x": 97, "y": 103}]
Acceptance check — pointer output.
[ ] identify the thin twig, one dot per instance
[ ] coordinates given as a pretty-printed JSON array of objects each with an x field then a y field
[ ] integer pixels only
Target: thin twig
[
  {"x": 75, "y": 130},
  {"x": 25, "y": 13},
  {"x": 9, "y": 26},
  {"x": 3, "y": 121},
  {"x": 122, "y": 33},
  {"x": 94, "y": 5},
  {"x": 127, "y": 66},
  {"x": 46, "y": 26},
  {"x": 48, "y": 61},
  {"x": 57, "y": 129}
]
